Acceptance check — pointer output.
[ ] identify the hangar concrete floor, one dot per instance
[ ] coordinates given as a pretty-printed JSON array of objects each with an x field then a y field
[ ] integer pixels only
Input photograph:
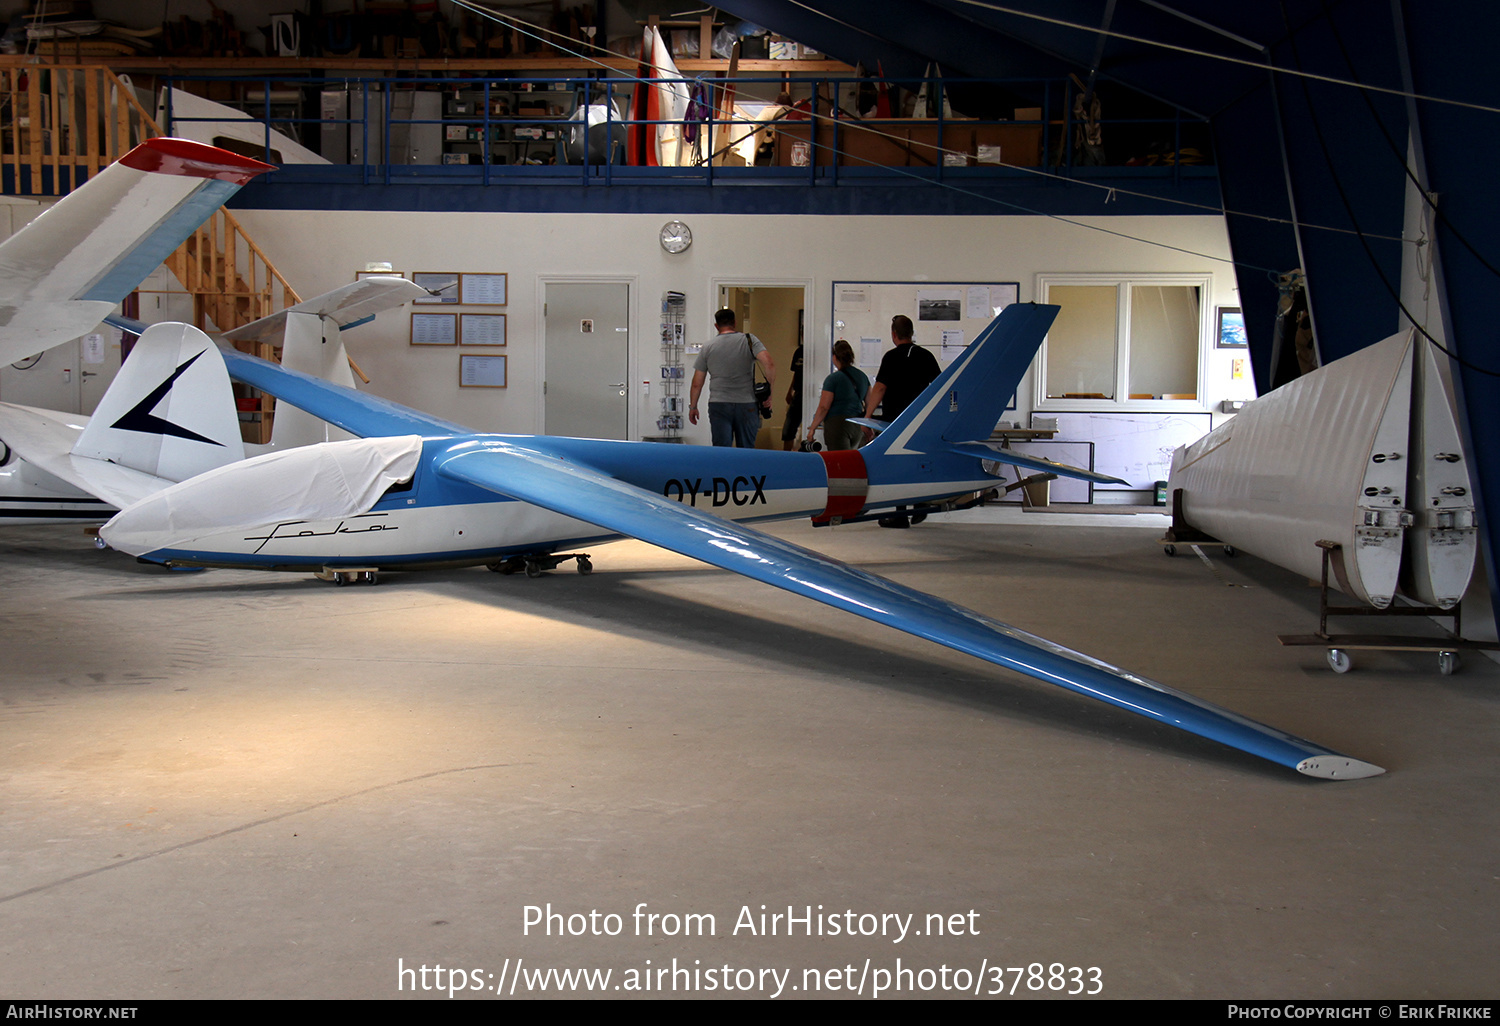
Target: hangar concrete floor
[{"x": 227, "y": 784}]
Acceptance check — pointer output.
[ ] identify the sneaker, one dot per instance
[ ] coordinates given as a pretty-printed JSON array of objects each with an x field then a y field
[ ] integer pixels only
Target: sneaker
[{"x": 917, "y": 518}]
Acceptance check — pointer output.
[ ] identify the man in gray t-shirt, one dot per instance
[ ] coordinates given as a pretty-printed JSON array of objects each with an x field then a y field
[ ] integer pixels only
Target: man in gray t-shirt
[{"x": 730, "y": 358}]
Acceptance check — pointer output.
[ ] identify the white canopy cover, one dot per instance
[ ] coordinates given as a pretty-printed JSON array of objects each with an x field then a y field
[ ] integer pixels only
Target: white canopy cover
[{"x": 316, "y": 482}]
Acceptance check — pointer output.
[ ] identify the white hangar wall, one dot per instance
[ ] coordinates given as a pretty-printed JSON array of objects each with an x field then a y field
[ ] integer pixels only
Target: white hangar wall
[{"x": 320, "y": 250}]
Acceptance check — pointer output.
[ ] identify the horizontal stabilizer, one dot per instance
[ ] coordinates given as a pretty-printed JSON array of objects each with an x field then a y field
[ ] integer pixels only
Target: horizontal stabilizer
[
  {"x": 874, "y": 425},
  {"x": 45, "y": 439},
  {"x": 1016, "y": 459},
  {"x": 344, "y": 306},
  {"x": 65, "y": 271},
  {"x": 529, "y": 473}
]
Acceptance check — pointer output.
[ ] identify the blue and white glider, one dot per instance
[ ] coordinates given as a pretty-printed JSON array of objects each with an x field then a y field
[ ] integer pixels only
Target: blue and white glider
[{"x": 412, "y": 491}]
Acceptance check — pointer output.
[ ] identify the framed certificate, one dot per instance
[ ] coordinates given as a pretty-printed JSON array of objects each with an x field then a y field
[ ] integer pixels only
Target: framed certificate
[
  {"x": 481, "y": 329},
  {"x": 434, "y": 329},
  {"x": 1231, "y": 333},
  {"x": 481, "y": 371},
  {"x": 482, "y": 289},
  {"x": 443, "y": 285}
]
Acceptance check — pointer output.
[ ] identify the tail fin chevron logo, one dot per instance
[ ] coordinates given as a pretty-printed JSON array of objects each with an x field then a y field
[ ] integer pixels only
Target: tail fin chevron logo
[{"x": 140, "y": 418}]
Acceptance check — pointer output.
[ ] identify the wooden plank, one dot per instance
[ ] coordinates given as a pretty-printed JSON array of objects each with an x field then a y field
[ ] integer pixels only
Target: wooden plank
[
  {"x": 91, "y": 79},
  {"x": 728, "y": 133},
  {"x": 54, "y": 117},
  {"x": 34, "y": 125},
  {"x": 523, "y": 66},
  {"x": 122, "y": 119},
  {"x": 218, "y": 279},
  {"x": 705, "y": 37},
  {"x": 17, "y": 104}
]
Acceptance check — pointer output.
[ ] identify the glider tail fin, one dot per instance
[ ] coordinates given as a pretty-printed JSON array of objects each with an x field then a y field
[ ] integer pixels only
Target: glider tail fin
[
  {"x": 170, "y": 411},
  {"x": 312, "y": 345},
  {"x": 964, "y": 402}
]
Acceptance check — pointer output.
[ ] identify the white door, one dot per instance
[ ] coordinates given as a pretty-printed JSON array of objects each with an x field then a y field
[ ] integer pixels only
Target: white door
[{"x": 587, "y": 345}]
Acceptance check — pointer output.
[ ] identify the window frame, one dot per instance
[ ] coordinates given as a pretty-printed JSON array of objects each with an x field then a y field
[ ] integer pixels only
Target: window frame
[{"x": 1125, "y": 283}]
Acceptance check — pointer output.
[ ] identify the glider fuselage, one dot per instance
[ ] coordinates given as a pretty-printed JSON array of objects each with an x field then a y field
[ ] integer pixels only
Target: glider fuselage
[{"x": 438, "y": 521}]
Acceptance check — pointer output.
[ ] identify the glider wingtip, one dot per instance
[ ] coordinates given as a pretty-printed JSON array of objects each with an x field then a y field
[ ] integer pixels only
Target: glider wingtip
[
  {"x": 169, "y": 156},
  {"x": 1338, "y": 767}
]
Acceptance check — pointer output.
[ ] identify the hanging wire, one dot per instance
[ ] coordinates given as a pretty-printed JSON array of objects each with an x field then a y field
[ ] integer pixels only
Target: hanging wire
[
  {"x": 1194, "y": 52},
  {"x": 523, "y": 28},
  {"x": 1400, "y": 154},
  {"x": 1348, "y": 205}
]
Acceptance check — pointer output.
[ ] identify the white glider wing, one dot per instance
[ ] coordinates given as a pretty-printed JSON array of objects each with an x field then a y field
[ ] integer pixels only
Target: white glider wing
[{"x": 67, "y": 270}]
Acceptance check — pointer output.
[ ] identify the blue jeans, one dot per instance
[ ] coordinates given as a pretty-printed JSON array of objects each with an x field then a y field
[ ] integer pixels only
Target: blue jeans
[{"x": 734, "y": 424}]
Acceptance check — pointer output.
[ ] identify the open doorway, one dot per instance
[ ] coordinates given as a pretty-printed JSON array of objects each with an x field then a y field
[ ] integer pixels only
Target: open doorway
[{"x": 775, "y": 314}]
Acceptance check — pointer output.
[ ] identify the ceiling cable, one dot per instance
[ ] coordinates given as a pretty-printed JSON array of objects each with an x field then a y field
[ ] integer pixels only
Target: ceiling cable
[{"x": 1191, "y": 51}]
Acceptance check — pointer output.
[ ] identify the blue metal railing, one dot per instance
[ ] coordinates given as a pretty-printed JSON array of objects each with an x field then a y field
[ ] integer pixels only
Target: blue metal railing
[{"x": 831, "y": 129}]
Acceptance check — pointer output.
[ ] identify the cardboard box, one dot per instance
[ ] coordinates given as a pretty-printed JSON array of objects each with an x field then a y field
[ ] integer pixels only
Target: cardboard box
[{"x": 1028, "y": 113}]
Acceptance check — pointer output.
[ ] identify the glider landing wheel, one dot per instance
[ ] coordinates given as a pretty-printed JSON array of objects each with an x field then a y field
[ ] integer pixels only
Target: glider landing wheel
[
  {"x": 100, "y": 543},
  {"x": 1339, "y": 661},
  {"x": 585, "y": 565},
  {"x": 533, "y": 568},
  {"x": 1170, "y": 550},
  {"x": 1448, "y": 663},
  {"x": 1229, "y": 552}
]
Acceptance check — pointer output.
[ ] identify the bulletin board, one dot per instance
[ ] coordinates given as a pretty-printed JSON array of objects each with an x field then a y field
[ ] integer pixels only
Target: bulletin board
[{"x": 945, "y": 316}]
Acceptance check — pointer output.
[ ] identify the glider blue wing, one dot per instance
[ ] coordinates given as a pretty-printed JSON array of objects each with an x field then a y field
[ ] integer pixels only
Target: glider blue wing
[
  {"x": 530, "y": 474},
  {"x": 359, "y": 413}
]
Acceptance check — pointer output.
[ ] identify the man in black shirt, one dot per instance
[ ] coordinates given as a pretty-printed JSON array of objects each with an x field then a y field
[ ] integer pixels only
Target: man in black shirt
[{"x": 905, "y": 372}]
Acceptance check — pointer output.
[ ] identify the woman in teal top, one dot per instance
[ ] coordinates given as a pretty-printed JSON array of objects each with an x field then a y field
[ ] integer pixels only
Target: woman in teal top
[{"x": 843, "y": 397}]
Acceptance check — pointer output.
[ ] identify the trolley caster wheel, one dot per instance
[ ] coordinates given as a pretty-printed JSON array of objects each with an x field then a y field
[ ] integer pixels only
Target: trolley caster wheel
[
  {"x": 533, "y": 568},
  {"x": 1339, "y": 661},
  {"x": 1448, "y": 663},
  {"x": 585, "y": 567},
  {"x": 100, "y": 543},
  {"x": 1230, "y": 552},
  {"x": 340, "y": 579},
  {"x": 1170, "y": 550},
  {"x": 369, "y": 577}
]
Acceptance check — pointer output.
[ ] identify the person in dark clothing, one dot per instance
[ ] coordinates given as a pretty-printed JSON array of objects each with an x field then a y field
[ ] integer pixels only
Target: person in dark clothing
[{"x": 904, "y": 373}]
